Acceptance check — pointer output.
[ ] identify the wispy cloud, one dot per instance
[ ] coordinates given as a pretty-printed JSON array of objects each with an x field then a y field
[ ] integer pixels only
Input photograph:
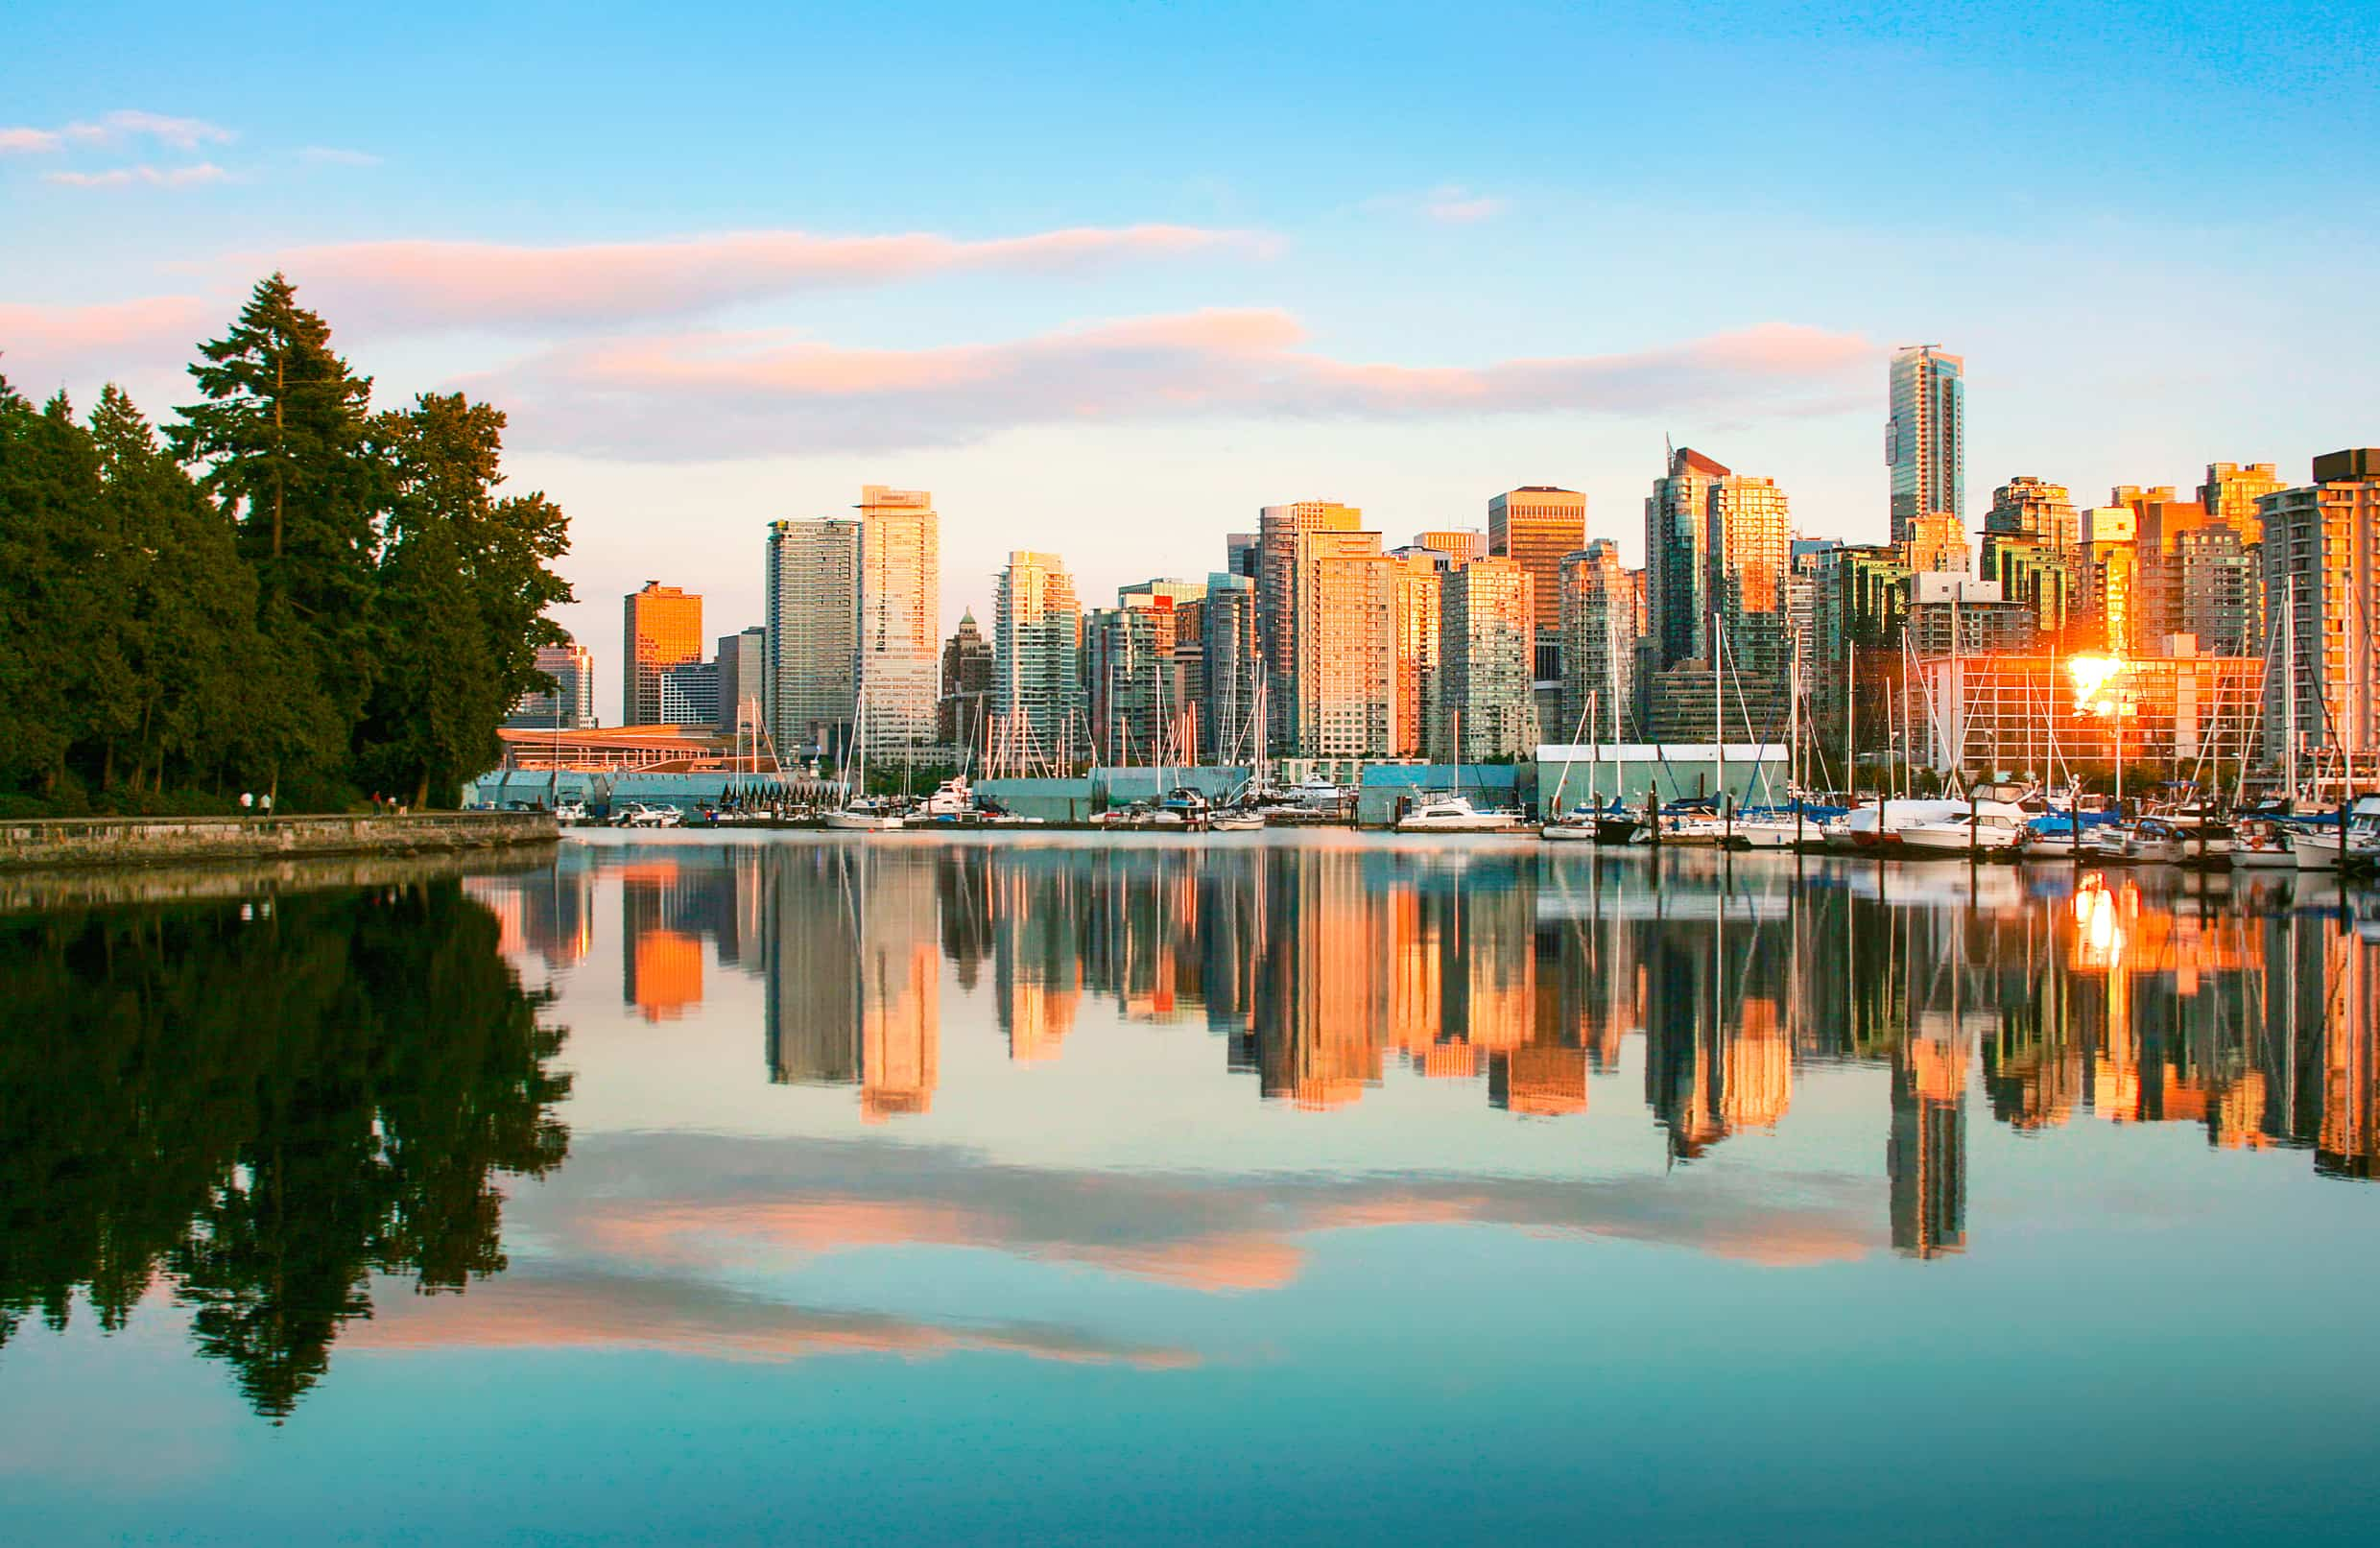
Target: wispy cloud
[
  {"x": 1453, "y": 206},
  {"x": 496, "y": 285},
  {"x": 1449, "y": 203},
  {"x": 190, "y": 176},
  {"x": 331, "y": 155},
  {"x": 115, "y": 129},
  {"x": 721, "y": 395}
]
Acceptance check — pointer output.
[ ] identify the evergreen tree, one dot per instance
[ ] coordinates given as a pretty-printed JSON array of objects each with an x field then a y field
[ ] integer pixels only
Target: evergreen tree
[
  {"x": 465, "y": 579},
  {"x": 281, "y": 435}
]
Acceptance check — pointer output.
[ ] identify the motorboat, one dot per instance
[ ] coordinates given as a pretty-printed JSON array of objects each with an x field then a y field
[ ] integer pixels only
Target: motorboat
[
  {"x": 1455, "y": 814},
  {"x": 952, "y": 798},
  {"x": 2262, "y": 845},
  {"x": 1236, "y": 819},
  {"x": 1990, "y": 827},
  {"x": 570, "y": 814},
  {"x": 648, "y": 815},
  {"x": 1770, "y": 832},
  {"x": 1882, "y": 823},
  {"x": 1140, "y": 814},
  {"x": 1316, "y": 792},
  {"x": 1189, "y": 805},
  {"x": 870, "y": 814}
]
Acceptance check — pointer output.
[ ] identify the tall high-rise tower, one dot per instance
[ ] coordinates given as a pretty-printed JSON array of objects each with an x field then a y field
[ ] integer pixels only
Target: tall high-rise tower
[
  {"x": 1279, "y": 527},
  {"x": 812, "y": 636},
  {"x": 900, "y": 607},
  {"x": 1676, "y": 558},
  {"x": 661, "y": 627},
  {"x": 1536, "y": 526},
  {"x": 1037, "y": 643},
  {"x": 1925, "y": 440}
]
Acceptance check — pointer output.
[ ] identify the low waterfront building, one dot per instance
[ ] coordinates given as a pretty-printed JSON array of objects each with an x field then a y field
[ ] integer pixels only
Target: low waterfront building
[{"x": 2197, "y": 713}]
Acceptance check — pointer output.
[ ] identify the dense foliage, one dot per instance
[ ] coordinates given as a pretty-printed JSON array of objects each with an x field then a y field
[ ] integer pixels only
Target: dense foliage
[{"x": 286, "y": 591}]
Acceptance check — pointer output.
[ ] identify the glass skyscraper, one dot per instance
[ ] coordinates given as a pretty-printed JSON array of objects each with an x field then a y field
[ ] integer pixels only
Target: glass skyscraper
[{"x": 1925, "y": 440}]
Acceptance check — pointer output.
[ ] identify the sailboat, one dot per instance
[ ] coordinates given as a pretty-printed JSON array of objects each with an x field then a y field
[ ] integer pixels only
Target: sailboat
[{"x": 863, "y": 813}]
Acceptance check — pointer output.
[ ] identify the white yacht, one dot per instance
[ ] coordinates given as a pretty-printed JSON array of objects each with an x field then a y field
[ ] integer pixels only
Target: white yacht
[
  {"x": 648, "y": 815},
  {"x": 570, "y": 814},
  {"x": 1990, "y": 827},
  {"x": 867, "y": 815},
  {"x": 1455, "y": 814}
]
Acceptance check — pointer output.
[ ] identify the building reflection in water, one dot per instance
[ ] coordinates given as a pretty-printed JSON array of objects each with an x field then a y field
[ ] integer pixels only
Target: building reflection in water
[{"x": 1327, "y": 968}]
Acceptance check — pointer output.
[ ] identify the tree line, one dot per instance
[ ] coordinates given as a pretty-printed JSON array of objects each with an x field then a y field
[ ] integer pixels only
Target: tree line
[{"x": 282, "y": 590}]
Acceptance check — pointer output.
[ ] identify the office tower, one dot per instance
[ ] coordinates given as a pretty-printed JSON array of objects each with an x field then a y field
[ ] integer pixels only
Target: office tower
[
  {"x": 1937, "y": 544},
  {"x": 1536, "y": 526},
  {"x": 1925, "y": 440},
  {"x": 2110, "y": 564},
  {"x": 1748, "y": 548},
  {"x": 968, "y": 664},
  {"x": 1135, "y": 690},
  {"x": 812, "y": 636},
  {"x": 2322, "y": 588},
  {"x": 1414, "y": 579},
  {"x": 1230, "y": 668},
  {"x": 1240, "y": 553},
  {"x": 1601, "y": 610},
  {"x": 2032, "y": 508},
  {"x": 900, "y": 615},
  {"x": 571, "y": 705},
  {"x": 1487, "y": 640},
  {"x": 1037, "y": 642},
  {"x": 743, "y": 671},
  {"x": 690, "y": 696},
  {"x": 1677, "y": 568},
  {"x": 1808, "y": 560},
  {"x": 1343, "y": 679},
  {"x": 1279, "y": 529},
  {"x": 1462, "y": 544},
  {"x": 2232, "y": 489},
  {"x": 662, "y": 626}
]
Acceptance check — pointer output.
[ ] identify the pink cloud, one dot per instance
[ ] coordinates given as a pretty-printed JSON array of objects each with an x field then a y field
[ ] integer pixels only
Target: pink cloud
[
  {"x": 42, "y": 344},
  {"x": 496, "y": 285},
  {"x": 189, "y": 176},
  {"x": 1453, "y": 206},
  {"x": 725, "y": 395},
  {"x": 114, "y": 128}
]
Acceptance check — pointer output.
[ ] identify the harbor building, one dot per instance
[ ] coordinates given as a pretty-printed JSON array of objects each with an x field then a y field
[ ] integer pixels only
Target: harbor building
[
  {"x": 812, "y": 634},
  {"x": 2198, "y": 714},
  {"x": 900, "y": 615},
  {"x": 661, "y": 627}
]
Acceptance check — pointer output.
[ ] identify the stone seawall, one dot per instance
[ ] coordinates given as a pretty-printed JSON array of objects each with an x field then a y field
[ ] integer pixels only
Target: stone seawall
[{"x": 144, "y": 841}]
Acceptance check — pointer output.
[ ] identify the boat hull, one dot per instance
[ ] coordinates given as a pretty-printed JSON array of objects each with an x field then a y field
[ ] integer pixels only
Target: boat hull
[{"x": 861, "y": 823}]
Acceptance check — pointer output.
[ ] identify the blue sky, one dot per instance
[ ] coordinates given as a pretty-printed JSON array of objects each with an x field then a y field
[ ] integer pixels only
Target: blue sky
[{"x": 1159, "y": 265}]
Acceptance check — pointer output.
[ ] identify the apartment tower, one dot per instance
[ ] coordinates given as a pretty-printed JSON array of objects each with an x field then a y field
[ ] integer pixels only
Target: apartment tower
[
  {"x": 812, "y": 637},
  {"x": 900, "y": 607}
]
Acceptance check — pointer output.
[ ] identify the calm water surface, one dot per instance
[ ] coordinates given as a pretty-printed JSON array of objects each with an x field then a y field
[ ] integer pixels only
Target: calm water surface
[{"x": 1287, "y": 1189}]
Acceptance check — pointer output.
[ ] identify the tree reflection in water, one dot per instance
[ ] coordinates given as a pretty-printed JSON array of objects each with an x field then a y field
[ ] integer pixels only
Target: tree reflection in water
[{"x": 260, "y": 1106}]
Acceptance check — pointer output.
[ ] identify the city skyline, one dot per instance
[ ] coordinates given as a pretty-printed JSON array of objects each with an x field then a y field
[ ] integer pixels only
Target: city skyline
[{"x": 1222, "y": 306}]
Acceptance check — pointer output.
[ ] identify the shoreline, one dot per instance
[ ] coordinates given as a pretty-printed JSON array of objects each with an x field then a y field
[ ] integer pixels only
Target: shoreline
[{"x": 132, "y": 843}]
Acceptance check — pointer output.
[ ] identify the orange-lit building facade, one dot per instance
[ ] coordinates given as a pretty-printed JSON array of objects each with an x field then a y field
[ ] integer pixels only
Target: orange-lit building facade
[{"x": 661, "y": 627}]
